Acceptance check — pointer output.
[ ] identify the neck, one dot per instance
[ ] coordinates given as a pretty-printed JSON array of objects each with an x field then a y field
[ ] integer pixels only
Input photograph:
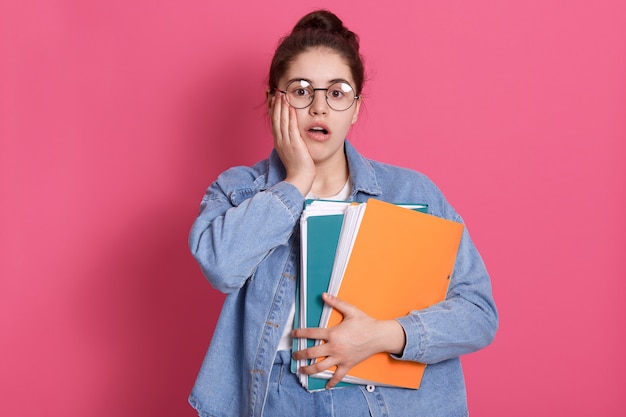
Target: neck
[{"x": 330, "y": 178}]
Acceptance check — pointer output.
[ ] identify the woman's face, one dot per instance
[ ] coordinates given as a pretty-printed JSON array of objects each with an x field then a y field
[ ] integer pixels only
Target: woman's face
[{"x": 322, "y": 128}]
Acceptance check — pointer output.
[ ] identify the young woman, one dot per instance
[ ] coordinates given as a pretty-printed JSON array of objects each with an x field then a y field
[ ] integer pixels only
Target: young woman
[{"x": 246, "y": 242}]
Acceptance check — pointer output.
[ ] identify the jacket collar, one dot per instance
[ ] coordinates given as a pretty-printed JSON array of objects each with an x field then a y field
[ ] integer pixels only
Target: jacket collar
[{"x": 362, "y": 172}]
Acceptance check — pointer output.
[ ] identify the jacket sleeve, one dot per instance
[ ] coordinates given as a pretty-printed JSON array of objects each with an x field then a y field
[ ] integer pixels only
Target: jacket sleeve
[
  {"x": 464, "y": 322},
  {"x": 237, "y": 229}
]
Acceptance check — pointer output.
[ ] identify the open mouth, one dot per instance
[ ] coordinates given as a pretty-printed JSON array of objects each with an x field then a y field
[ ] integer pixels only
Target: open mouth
[{"x": 318, "y": 129}]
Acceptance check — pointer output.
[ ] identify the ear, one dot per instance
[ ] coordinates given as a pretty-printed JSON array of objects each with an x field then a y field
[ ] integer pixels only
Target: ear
[{"x": 355, "y": 116}]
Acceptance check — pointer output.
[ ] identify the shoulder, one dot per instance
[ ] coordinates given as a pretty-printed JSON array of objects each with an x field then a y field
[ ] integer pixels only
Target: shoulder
[
  {"x": 261, "y": 175},
  {"x": 394, "y": 176},
  {"x": 406, "y": 185},
  {"x": 380, "y": 178}
]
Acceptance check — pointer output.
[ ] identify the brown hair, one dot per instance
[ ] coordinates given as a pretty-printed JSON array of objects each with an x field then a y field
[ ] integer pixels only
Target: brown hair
[{"x": 318, "y": 29}]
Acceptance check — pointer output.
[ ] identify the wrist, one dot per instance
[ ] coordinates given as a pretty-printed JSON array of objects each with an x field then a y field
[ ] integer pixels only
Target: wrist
[
  {"x": 303, "y": 182},
  {"x": 392, "y": 337}
]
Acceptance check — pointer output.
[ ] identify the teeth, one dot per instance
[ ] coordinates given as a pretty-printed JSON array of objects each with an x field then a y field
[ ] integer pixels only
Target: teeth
[{"x": 319, "y": 129}]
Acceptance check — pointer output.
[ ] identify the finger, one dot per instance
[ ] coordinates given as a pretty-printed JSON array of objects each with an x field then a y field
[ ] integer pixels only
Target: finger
[
  {"x": 318, "y": 333},
  {"x": 284, "y": 118},
  {"x": 275, "y": 117},
  {"x": 337, "y": 377},
  {"x": 346, "y": 309},
  {"x": 311, "y": 353},
  {"x": 294, "y": 131},
  {"x": 317, "y": 367}
]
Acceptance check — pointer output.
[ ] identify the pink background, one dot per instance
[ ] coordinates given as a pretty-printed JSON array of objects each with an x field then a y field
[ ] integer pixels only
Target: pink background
[{"x": 115, "y": 116}]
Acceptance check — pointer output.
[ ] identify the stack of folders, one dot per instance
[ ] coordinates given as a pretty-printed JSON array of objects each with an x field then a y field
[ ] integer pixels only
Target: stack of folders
[{"x": 387, "y": 260}]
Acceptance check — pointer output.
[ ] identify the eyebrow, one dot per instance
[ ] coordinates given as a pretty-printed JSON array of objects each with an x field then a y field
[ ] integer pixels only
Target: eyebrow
[{"x": 333, "y": 81}]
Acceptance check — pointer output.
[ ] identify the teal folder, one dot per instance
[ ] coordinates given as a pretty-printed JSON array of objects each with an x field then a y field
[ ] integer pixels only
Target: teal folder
[{"x": 322, "y": 238}]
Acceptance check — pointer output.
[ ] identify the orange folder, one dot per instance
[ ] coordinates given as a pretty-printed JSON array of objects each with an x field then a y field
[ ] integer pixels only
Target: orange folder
[{"x": 401, "y": 261}]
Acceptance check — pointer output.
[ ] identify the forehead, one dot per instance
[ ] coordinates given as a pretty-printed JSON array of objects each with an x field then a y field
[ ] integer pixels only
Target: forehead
[{"x": 320, "y": 66}]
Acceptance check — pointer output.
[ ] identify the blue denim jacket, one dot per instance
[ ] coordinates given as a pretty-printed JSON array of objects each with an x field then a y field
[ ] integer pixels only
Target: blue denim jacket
[{"x": 246, "y": 242}]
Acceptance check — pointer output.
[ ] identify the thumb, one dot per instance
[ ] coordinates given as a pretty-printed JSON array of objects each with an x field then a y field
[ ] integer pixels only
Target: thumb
[{"x": 346, "y": 309}]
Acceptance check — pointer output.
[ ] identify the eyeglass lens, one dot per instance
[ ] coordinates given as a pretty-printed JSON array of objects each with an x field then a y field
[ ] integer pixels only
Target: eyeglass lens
[{"x": 339, "y": 96}]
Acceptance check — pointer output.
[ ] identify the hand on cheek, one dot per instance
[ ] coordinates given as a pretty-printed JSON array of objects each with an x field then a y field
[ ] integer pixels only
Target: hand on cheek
[{"x": 289, "y": 144}]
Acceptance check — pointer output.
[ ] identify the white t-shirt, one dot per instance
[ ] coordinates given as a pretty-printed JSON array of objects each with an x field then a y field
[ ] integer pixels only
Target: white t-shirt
[{"x": 286, "y": 339}]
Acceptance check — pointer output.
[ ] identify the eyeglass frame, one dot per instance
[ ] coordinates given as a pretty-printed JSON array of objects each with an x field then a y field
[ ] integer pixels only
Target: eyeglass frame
[{"x": 356, "y": 97}]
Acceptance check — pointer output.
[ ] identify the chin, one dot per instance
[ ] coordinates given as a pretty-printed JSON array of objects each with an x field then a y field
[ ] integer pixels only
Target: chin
[{"x": 323, "y": 151}]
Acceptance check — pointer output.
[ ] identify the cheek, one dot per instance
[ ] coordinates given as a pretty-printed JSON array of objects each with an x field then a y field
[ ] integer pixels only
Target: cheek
[
  {"x": 300, "y": 116},
  {"x": 349, "y": 118}
]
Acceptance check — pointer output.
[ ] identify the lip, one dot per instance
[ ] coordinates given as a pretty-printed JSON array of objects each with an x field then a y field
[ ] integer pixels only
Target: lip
[{"x": 318, "y": 131}]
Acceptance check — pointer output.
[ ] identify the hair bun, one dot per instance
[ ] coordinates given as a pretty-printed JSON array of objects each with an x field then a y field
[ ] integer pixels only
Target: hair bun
[{"x": 321, "y": 20}]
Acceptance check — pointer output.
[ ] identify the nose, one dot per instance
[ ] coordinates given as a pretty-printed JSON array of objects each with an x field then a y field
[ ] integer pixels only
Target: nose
[{"x": 319, "y": 104}]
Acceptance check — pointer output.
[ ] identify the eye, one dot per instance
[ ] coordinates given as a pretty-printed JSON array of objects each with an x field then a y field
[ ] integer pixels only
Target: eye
[
  {"x": 300, "y": 92},
  {"x": 335, "y": 94},
  {"x": 300, "y": 89},
  {"x": 340, "y": 91}
]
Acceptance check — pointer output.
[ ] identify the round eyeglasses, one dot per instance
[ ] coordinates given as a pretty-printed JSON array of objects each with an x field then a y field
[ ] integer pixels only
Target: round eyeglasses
[{"x": 340, "y": 95}]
